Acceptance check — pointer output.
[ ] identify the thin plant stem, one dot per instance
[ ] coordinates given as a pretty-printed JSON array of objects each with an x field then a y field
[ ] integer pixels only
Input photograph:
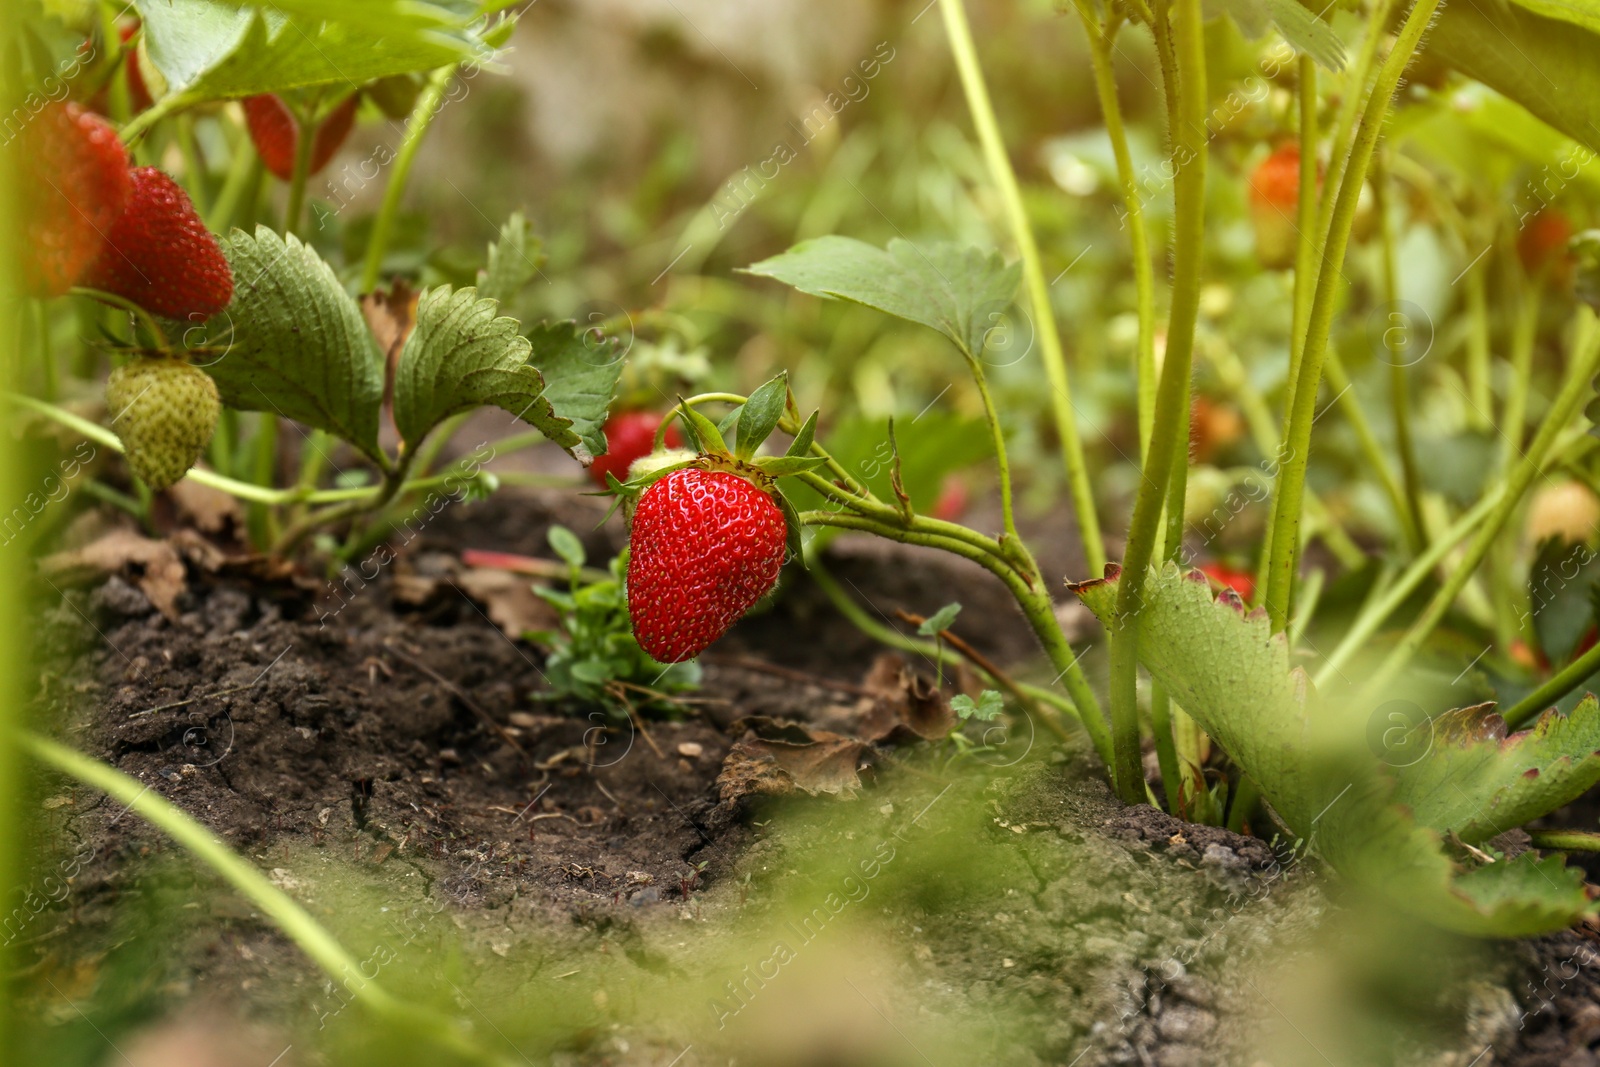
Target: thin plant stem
[
  {"x": 1560, "y": 684},
  {"x": 1565, "y": 840},
  {"x": 428, "y": 105},
  {"x": 1586, "y": 355},
  {"x": 1399, "y": 376},
  {"x": 1003, "y": 465},
  {"x": 1055, "y": 362},
  {"x": 294, "y": 921},
  {"x": 1305, "y": 250},
  {"x": 1165, "y": 736},
  {"x": 1377, "y": 460},
  {"x": 305, "y": 143},
  {"x": 146, "y": 319},
  {"x": 1035, "y": 602},
  {"x": 243, "y": 173},
  {"x": 1188, "y": 124},
  {"x": 1284, "y": 549},
  {"x": 50, "y": 375},
  {"x": 1101, "y": 42}
]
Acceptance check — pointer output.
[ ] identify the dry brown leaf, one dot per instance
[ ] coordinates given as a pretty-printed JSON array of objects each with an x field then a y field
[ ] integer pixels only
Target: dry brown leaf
[
  {"x": 208, "y": 510},
  {"x": 509, "y": 601},
  {"x": 154, "y": 566},
  {"x": 902, "y": 703},
  {"x": 391, "y": 315},
  {"x": 773, "y": 758}
]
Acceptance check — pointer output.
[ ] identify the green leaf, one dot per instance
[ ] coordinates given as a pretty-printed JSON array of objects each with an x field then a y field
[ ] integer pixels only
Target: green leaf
[
  {"x": 784, "y": 466},
  {"x": 1477, "y": 782},
  {"x": 1561, "y": 582},
  {"x": 704, "y": 436},
  {"x": 301, "y": 348},
  {"x": 566, "y": 545},
  {"x": 989, "y": 705},
  {"x": 959, "y": 291},
  {"x": 514, "y": 261},
  {"x": 1310, "y": 758},
  {"x": 1304, "y": 31},
  {"x": 801, "y": 445},
  {"x": 461, "y": 355},
  {"x": 1544, "y": 54},
  {"x": 939, "y": 620},
  {"x": 580, "y": 368},
  {"x": 760, "y": 414},
  {"x": 211, "y": 50},
  {"x": 794, "y": 545}
]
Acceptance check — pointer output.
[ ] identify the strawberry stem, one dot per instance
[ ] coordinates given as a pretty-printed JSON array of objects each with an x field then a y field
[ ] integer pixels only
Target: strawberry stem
[{"x": 429, "y": 103}]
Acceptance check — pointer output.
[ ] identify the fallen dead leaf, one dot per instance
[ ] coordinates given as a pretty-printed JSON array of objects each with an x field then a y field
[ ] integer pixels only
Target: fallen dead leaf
[
  {"x": 154, "y": 566},
  {"x": 903, "y": 702},
  {"x": 206, "y": 509},
  {"x": 775, "y": 758},
  {"x": 509, "y": 601}
]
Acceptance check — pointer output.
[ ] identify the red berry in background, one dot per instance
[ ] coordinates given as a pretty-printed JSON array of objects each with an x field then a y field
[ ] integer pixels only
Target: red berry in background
[
  {"x": 1226, "y": 577},
  {"x": 630, "y": 435},
  {"x": 159, "y": 254},
  {"x": 1274, "y": 203},
  {"x": 1542, "y": 246},
  {"x": 138, "y": 92},
  {"x": 1213, "y": 428},
  {"x": 705, "y": 546},
  {"x": 75, "y": 184},
  {"x": 273, "y": 129},
  {"x": 952, "y": 502}
]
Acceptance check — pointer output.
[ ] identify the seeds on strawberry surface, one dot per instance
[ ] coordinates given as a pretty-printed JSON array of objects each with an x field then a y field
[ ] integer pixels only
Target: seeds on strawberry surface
[
  {"x": 76, "y": 183},
  {"x": 705, "y": 546},
  {"x": 159, "y": 254},
  {"x": 165, "y": 411}
]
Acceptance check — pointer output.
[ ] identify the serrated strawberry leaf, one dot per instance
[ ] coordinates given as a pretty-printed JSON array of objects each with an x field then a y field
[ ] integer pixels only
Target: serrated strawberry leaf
[
  {"x": 1305, "y": 32},
  {"x": 214, "y": 50},
  {"x": 514, "y": 261},
  {"x": 759, "y": 415},
  {"x": 1477, "y": 782},
  {"x": 580, "y": 368},
  {"x": 462, "y": 354},
  {"x": 959, "y": 291},
  {"x": 300, "y": 347},
  {"x": 1380, "y": 826}
]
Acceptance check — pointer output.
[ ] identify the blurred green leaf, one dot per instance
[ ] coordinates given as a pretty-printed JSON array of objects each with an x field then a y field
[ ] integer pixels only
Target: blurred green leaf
[
  {"x": 959, "y": 291},
  {"x": 210, "y": 50},
  {"x": 988, "y": 706},
  {"x": 939, "y": 620},
  {"x": 566, "y": 545},
  {"x": 1304, "y": 31},
  {"x": 1561, "y": 582},
  {"x": 330, "y": 376},
  {"x": 514, "y": 261}
]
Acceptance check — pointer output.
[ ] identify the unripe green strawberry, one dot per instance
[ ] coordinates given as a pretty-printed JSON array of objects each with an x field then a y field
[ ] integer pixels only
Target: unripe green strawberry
[
  {"x": 705, "y": 546},
  {"x": 165, "y": 412}
]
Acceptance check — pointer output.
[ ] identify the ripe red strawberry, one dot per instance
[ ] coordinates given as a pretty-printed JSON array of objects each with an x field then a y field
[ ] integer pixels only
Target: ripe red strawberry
[
  {"x": 1226, "y": 577},
  {"x": 1213, "y": 428},
  {"x": 1542, "y": 246},
  {"x": 160, "y": 255},
  {"x": 705, "y": 546},
  {"x": 273, "y": 129},
  {"x": 75, "y": 184},
  {"x": 1274, "y": 202},
  {"x": 629, "y": 435}
]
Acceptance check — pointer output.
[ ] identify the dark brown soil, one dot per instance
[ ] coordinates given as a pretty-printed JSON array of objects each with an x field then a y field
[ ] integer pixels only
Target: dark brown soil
[{"x": 1025, "y": 917}]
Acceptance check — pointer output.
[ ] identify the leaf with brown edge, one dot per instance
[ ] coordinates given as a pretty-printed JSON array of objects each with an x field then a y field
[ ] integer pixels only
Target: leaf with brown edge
[{"x": 1478, "y": 782}]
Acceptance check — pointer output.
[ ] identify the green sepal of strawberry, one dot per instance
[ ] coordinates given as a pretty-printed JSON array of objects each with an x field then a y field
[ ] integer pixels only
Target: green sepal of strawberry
[{"x": 751, "y": 424}]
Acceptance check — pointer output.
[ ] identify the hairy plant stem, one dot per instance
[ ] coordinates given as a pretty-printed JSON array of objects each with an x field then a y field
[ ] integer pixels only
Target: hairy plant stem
[
  {"x": 1514, "y": 420},
  {"x": 1478, "y": 359},
  {"x": 1350, "y": 402},
  {"x": 295, "y": 922},
  {"x": 1577, "y": 387},
  {"x": 428, "y": 105},
  {"x": 147, "y": 320},
  {"x": 1305, "y": 249},
  {"x": 1102, "y": 39},
  {"x": 1055, "y": 362},
  {"x": 1284, "y": 548},
  {"x": 1565, "y": 840},
  {"x": 1167, "y": 449},
  {"x": 1034, "y": 600}
]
